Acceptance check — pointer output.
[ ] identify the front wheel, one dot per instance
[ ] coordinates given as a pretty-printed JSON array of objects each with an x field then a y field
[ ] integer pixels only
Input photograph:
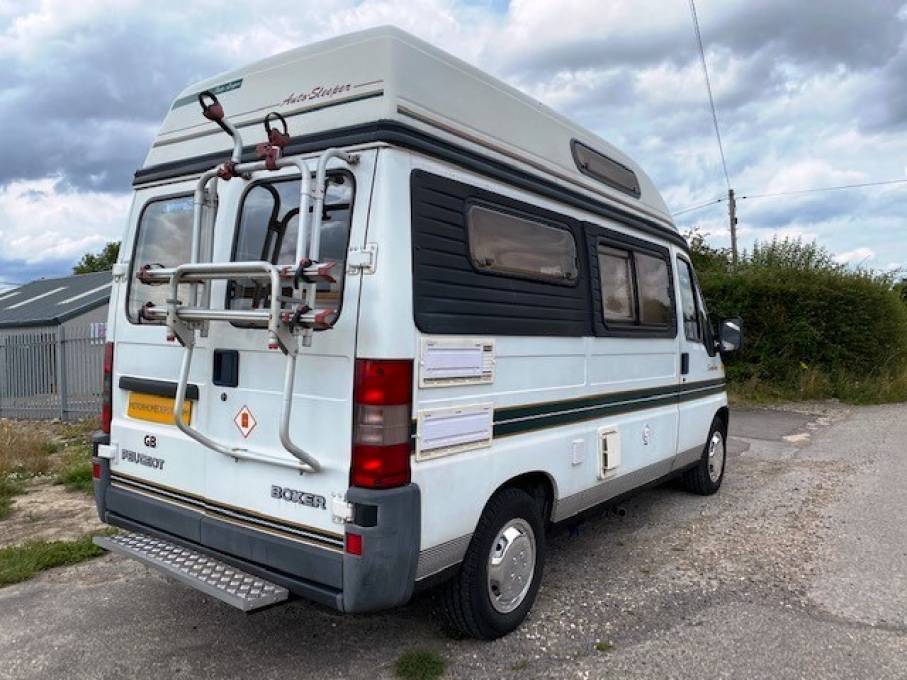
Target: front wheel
[
  {"x": 500, "y": 575},
  {"x": 706, "y": 477}
]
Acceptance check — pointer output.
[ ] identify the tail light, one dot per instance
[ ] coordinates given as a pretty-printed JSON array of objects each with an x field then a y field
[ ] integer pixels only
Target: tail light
[
  {"x": 382, "y": 411},
  {"x": 107, "y": 389}
]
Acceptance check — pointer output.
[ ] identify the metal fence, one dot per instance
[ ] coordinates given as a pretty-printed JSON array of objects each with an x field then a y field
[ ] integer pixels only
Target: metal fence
[{"x": 52, "y": 372}]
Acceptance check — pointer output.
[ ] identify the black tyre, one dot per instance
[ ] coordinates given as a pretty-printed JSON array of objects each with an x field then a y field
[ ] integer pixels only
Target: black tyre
[
  {"x": 500, "y": 575},
  {"x": 705, "y": 478}
]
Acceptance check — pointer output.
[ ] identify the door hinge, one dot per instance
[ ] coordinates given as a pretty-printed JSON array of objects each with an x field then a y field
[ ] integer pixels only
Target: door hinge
[
  {"x": 341, "y": 511},
  {"x": 362, "y": 260},
  {"x": 120, "y": 271}
]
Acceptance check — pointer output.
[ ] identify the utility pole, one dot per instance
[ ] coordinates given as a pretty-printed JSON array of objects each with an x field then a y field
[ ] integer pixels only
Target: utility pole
[{"x": 732, "y": 214}]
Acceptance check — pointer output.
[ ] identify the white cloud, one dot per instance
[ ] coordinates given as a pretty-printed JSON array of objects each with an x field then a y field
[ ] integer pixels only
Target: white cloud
[
  {"x": 857, "y": 256},
  {"x": 40, "y": 221},
  {"x": 804, "y": 98}
]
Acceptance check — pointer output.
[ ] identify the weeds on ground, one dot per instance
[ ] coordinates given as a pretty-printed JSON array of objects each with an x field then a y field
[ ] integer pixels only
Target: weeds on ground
[
  {"x": 9, "y": 487},
  {"x": 29, "y": 449},
  {"x": 24, "y": 450},
  {"x": 603, "y": 646},
  {"x": 75, "y": 471},
  {"x": 21, "y": 562},
  {"x": 420, "y": 664}
]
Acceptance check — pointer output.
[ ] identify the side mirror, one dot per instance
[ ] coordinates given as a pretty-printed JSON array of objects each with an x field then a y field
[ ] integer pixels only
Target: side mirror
[{"x": 730, "y": 334}]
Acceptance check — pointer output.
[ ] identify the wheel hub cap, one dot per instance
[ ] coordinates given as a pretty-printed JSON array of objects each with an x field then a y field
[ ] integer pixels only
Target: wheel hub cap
[
  {"x": 716, "y": 456},
  {"x": 511, "y": 565}
]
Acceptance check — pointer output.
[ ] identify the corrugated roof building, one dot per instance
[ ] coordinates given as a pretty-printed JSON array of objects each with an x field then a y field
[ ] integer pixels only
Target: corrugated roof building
[
  {"x": 52, "y": 334},
  {"x": 51, "y": 302}
]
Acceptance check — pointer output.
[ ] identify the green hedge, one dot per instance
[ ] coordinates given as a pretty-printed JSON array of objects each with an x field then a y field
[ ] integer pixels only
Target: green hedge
[{"x": 813, "y": 328}]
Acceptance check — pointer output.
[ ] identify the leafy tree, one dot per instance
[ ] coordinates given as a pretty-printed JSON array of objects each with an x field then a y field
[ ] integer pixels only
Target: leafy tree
[{"x": 98, "y": 262}]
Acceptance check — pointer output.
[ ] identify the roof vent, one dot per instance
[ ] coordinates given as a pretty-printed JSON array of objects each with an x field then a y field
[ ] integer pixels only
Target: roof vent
[{"x": 598, "y": 166}]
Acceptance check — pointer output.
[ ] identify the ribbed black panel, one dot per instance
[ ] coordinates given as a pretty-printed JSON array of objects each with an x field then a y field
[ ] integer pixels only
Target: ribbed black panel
[{"x": 451, "y": 296}]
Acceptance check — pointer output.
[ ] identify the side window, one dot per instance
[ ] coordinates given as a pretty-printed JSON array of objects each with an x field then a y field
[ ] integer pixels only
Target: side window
[
  {"x": 691, "y": 321},
  {"x": 509, "y": 244},
  {"x": 616, "y": 276},
  {"x": 163, "y": 237},
  {"x": 635, "y": 286},
  {"x": 654, "y": 290},
  {"x": 268, "y": 225}
]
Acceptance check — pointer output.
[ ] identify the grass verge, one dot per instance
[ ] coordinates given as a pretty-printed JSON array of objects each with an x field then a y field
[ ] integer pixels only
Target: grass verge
[
  {"x": 813, "y": 384},
  {"x": 20, "y": 562},
  {"x": 420, "y": 664},
  {"x": 75, "y": 472},
  {"x": 9, "y": 487}
]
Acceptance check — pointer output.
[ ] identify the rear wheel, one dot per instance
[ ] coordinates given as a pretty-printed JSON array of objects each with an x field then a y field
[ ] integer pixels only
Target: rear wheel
[
  {"x": 706, "y": 477},
  {"x": 500, "y": 575}
]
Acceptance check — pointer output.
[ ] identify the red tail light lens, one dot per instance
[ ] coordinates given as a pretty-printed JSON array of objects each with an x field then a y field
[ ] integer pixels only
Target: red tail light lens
[
  {"x": 354, "y": 544},
  {"x": 95, "y": 470},
  {"x": 382, "y": 411},
  {"x": 107, "y": 389}
]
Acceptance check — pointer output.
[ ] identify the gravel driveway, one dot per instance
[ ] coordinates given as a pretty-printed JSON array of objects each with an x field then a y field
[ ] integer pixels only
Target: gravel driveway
[{"x": 796, "y": 569}]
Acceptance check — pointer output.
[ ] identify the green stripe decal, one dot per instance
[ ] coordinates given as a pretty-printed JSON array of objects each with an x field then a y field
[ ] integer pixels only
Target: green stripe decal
[
  {"x": 611, "y": 405},
  {"x": 511, "y": 420}
]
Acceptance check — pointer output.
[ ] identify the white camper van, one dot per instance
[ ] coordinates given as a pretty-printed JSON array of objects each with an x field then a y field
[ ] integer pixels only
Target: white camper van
[{"x": 378, "y": 321}]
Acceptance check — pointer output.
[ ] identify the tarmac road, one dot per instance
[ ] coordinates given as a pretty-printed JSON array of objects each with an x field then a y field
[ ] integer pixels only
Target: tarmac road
[{"x": 797, "y": 568}]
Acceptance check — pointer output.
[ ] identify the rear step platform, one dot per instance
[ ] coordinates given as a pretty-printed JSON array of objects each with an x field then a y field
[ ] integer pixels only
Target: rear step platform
[{"x": 196, "y": 570}]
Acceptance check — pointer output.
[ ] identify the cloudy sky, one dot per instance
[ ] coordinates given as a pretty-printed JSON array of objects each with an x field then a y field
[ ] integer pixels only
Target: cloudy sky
[{"x": 808, "y": 95}]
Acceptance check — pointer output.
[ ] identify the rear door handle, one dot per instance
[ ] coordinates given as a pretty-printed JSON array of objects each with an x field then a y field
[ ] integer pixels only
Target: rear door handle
[{"x": 684, "y": 363}]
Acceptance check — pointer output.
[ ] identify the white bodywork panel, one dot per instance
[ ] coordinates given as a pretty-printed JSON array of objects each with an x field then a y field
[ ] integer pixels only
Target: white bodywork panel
[
  {"x": 387, "y": 74},
  {"x": 527, "y": 370}
]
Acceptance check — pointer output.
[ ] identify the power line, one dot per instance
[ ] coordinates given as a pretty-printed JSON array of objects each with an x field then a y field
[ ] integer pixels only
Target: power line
[
  {"x": 793, "y": 193},
  {"x": 697, "y": 207},
  {"x": 708, "y": 86},
  {"x": 818, "y": 189}
]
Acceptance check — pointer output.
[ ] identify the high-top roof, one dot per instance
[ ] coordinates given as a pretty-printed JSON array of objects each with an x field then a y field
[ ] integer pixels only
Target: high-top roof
[
  {"x": 387, "y": 74},
  {"x": 53, "y": 301}
]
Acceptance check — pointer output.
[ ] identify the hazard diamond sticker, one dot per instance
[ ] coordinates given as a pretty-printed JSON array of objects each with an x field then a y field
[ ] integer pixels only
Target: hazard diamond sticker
[{"x": 245, "y": 422}]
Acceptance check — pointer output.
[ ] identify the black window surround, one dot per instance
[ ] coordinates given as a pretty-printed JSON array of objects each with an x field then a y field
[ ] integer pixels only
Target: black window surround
[
  {"x": 606, "y": 170},
  {"x": 452, "y": 296},
  {"x": 600, "y": 237}
]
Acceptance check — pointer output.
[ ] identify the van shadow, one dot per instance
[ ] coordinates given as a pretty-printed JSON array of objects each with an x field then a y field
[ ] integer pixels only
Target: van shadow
[{"x": 312, "y": 639}]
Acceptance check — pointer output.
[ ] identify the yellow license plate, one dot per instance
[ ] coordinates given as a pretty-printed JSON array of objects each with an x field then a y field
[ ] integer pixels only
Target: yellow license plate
[{"x": 155, "y": 409}]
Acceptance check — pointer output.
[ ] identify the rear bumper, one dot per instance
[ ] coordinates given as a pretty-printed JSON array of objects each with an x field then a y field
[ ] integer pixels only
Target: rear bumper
[{"x": 308, "y": 566}]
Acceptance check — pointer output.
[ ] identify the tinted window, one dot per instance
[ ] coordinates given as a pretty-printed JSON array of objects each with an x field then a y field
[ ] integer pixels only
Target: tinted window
[
  {"x": 691, "y": 326},
  {"x": 509, "y": 244},
  {"x": 654, "y": 290},
  {"x": 616, "y": 274},
  {"x": 268, "y": 226},
  {"x": 163, "y": 238}
]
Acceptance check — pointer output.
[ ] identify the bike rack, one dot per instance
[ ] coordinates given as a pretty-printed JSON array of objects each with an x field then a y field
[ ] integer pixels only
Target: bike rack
[{"x": 288, "y": 328}]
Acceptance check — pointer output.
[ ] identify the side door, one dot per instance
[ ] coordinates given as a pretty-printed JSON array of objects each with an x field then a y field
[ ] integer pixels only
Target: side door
[{"x": 700, "y": 369}]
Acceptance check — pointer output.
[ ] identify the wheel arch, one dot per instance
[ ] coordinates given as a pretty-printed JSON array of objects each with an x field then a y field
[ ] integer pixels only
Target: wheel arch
[
  {"x": 539, "y": 484},
  {"x": 724, "y": 413}
]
